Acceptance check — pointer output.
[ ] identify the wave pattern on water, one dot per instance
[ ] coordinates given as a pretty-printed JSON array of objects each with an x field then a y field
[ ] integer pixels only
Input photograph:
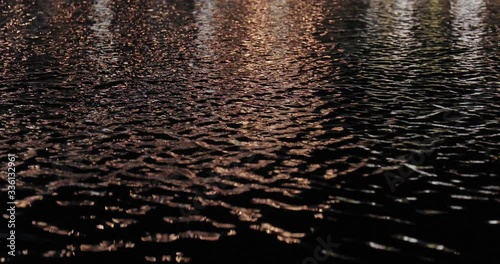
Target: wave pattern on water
[{"x": 242, "y": 131}]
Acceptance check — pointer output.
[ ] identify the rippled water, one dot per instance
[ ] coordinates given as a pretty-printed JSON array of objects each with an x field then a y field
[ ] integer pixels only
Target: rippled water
[{"x": 246, "y": 131}]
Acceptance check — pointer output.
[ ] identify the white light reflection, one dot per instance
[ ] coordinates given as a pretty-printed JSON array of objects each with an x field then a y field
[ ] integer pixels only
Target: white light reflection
[
  {"x": 468, "y": 25},
  {"x": 102, "y": 16},
  {"x": 399, "y": 18}
]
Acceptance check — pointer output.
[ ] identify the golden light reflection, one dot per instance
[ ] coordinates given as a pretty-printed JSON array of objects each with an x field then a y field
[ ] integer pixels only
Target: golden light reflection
[
  {"x": 265, "y": 41},
  {"x": 257, "y": 51},
  {"x": 255, "y": 60},
  {"x": 11, "y": 41}
]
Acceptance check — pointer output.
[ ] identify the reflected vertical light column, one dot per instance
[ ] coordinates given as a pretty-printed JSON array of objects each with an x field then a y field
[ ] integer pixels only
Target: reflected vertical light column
[
  {"x": 396, "y": 16},
  {"x": 468, "y": 25},
  {"x": 204, "y": 20},
  {"x": 103, "y": 37},
  {"x": 205, "y": 38}
]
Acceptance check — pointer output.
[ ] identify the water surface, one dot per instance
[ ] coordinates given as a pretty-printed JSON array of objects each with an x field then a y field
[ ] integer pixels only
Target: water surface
[{"x": 243, "y": 131}]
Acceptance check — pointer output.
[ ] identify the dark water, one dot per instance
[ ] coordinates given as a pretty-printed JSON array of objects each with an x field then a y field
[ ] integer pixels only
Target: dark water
[{"x": 247, "y": 131}]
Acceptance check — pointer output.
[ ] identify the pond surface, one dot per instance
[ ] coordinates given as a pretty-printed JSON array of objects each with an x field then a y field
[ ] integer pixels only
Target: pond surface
[{"x": 252, "y": 131}]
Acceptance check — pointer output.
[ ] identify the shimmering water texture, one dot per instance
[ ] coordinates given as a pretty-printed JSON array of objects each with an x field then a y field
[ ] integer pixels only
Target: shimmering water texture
[{"x": 252, "y": 131}]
